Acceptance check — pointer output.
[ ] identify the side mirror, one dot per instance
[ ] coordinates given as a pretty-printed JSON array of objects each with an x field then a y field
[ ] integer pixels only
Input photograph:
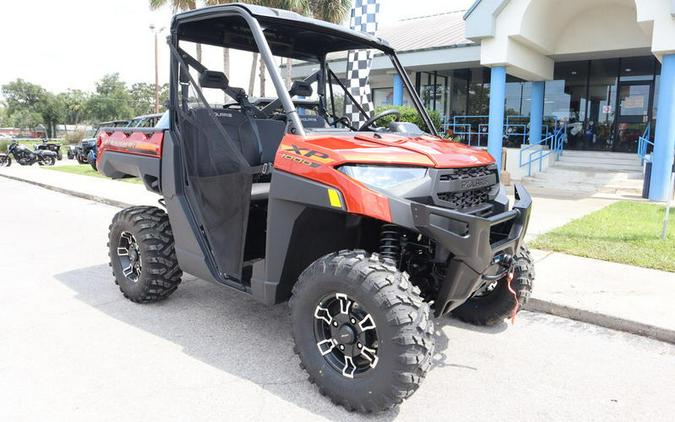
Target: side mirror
[
  {"x": 301, "y": 88},
  {"x": 213, "y": 79}
]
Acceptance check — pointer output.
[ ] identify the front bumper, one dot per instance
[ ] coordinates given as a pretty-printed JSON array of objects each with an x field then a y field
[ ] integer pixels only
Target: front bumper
[{"x": 468, "y": 243}]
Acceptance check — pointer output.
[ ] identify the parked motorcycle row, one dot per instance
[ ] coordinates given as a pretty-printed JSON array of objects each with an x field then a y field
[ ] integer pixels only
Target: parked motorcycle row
[{"x": 44, "y": 154}]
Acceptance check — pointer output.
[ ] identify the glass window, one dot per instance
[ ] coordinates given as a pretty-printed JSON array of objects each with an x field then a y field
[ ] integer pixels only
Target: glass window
[
  {"x": 479, "y": 92},
  {"x": 459, "y": 84},
  {"x": 602, "y": 104}
]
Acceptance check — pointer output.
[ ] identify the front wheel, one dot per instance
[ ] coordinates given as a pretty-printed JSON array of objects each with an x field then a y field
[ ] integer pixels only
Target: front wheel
[
  {"x": 362, "y": 331},
  {"x": 499, "y": 300},
  {"x": 5, "y": 161},
  {"x": 47, "y": 161},
  {"x": 142, "y": 255}
]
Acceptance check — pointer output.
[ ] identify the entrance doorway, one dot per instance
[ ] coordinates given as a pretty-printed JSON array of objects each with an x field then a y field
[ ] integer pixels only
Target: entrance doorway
[{"x": 633, "y": 113}]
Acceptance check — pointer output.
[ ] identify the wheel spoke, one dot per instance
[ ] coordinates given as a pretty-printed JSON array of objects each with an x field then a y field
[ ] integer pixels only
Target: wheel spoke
[
  {"x": 345, "y": 303},
  {"x": 122, "y": 251},
  {"x": 367, "y": 323},
  {"x": 323, "y": 314},
  {"x": 127, "y": 236},
  {"x": 129, "y": 270},
  {"x": 350, "y": 368},
  {"x": 370, "y": 355},
  {"x": 326, "y": 346}
]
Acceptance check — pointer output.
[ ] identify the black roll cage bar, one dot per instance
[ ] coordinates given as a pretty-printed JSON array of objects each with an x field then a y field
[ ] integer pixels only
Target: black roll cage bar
[{"x": 266, "y": 55}]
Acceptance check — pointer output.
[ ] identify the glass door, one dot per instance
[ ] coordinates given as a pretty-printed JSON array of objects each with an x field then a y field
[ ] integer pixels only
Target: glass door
[{"x": 633, "y": 113}]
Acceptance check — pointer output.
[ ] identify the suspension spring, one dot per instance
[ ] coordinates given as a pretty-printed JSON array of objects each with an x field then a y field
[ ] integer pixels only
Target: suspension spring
[{"x": 390, "y": 242}]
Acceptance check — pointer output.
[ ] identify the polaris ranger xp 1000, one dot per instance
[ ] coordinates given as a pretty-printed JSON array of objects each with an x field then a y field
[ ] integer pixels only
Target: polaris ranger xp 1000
[{"x": 369, "y": 230}]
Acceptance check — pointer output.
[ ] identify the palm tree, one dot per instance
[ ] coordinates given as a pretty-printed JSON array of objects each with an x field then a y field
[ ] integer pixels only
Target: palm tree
[
  {"x": 333, "y": 11},
  {"x": 178, "y": 5}
]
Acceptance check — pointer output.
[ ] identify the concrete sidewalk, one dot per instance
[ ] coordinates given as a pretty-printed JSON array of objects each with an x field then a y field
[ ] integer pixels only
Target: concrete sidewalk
[
  {"x": 112, "y": 192},
  {"x": 616, "y": 296}
]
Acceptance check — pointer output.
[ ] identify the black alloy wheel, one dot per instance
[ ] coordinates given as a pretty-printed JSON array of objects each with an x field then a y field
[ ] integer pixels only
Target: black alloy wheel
[
  {"x": 346, "y": 335},
  {"x": 128, "y": 253}
]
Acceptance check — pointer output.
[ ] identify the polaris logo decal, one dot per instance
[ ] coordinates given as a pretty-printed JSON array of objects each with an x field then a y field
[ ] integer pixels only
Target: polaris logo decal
[
  {"x": 295, "y": 150},
  {"x": 474, "y": 183}
]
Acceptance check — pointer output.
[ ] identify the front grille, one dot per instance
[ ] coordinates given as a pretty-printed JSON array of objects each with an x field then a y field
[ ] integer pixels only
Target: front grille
[
  {"x": 465, "y": 189},
  {"x": 467, "y": 173},
  {"x": 467, "y": 199}
]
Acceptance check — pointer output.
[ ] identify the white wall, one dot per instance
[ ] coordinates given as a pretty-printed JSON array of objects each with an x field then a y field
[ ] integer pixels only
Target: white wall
[{"x": 523, "y": 35}]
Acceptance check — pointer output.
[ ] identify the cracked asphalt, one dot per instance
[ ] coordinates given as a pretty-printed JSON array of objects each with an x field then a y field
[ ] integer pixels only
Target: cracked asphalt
[{"x": 71, "y": 348}]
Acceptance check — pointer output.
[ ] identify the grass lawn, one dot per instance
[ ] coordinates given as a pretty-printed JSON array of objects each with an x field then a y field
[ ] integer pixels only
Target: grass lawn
[
  {"x": 625, "y": 232},
  {"x": 86, "y": 170}
]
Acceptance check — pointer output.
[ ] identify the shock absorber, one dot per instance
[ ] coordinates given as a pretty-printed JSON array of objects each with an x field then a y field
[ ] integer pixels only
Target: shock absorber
[{"x": 390, "y": 242}]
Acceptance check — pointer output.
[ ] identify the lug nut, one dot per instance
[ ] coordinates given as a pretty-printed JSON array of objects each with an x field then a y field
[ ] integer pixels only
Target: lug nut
[
  {"x": 359, "y": 345},
  {"x": 353, "y": 321},
  {"x": 335, "y": 324},
  {"x": 342, "y": 347}
]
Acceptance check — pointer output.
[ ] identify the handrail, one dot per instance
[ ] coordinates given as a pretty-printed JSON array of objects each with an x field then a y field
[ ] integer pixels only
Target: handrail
[
  {"x": 474, "y": 129},
  {"x": 555, "y": 143},
  {"x": 643, "y": 144}
]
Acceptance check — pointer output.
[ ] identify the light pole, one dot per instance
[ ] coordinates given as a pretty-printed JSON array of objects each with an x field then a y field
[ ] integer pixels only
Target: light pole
[{"x": 156, "y": 31}]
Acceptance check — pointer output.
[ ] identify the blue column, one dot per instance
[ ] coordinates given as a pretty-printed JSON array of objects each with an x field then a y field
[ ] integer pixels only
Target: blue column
[
  {"x": 536, "y": 111},
  {"x": 398, "y": 90},
  {"x": 664, "y": 140},
  {"x": 496, "y": 121}
]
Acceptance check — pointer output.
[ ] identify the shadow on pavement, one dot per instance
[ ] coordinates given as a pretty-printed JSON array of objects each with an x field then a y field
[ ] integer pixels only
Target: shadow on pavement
[{"x": 231, "y": 332}]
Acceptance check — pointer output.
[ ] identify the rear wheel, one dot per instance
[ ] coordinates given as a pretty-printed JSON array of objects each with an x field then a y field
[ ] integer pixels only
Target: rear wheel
[
  {"x": 142, "y": 255},
  {"x": 362, "y": 331},
  {"x": 48, "y": 161},
  {"x": 497, "y": 301}
]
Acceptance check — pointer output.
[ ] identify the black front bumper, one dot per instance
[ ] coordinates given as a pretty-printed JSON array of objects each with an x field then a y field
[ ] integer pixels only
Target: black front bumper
[{"x": 468, "y": 243}]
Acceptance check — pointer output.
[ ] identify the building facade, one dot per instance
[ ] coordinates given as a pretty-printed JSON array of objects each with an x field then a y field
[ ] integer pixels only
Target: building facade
[{"x": 508, "y": 72}]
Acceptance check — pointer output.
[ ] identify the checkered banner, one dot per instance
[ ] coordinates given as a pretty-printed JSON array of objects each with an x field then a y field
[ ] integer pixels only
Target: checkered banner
[{"x": 364, "y": 19}]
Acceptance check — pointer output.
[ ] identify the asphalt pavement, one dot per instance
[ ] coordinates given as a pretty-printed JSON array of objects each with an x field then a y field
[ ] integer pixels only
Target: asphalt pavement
[{"x": 71, "y": 348}]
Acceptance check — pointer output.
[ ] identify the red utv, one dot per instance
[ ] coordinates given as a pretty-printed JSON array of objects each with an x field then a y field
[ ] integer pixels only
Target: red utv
[{"x": 369, "y": 231}]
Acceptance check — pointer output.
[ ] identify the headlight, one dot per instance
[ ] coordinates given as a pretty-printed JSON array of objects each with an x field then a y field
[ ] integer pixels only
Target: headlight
[{"x": 383, "y": 177}]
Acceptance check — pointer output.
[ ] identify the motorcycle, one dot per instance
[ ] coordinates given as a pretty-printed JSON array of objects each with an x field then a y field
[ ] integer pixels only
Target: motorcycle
[
  {"x": 26, "y": 157},
  {"x": 50, "y": 146},
  {"x": 5, "y": 160}
]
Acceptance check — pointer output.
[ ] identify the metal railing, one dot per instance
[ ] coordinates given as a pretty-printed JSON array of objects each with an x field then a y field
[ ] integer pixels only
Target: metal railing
[
  {"x": 474, "y": 129},
  {"x": 644, "y": 143},
  {"x": 551, "y": 144}
]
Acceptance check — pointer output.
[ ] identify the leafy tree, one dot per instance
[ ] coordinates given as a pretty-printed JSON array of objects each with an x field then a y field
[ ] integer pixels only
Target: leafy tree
[
  {"x": 22, "y": 95},
  {"x": 111, "y": 100},
  {"x": 75, "y": 105},
  {"x": 24, "y": 119},
  {"x": 53, "y": 111},
  {"x": 4, "y": 117},
  {"x": 143, "y": 97}
]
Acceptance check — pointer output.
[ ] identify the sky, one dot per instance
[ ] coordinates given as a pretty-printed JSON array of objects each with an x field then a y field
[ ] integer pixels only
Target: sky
[{"x": 73, "y": 43}]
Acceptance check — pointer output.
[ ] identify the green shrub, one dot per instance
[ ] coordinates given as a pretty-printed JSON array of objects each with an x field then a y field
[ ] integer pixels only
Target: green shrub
[
  {"x": 4, "y": 145},
  {"x": 74, "y": 137},
  {"x": 409, "y": 114}
]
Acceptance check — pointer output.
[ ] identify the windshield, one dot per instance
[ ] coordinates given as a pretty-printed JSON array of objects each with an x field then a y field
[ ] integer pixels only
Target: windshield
[{"x": 311, "y": 75}]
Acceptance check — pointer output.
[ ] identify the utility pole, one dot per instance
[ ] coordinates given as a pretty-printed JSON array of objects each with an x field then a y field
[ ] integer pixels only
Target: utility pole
[{"x": 156, "y": 32}]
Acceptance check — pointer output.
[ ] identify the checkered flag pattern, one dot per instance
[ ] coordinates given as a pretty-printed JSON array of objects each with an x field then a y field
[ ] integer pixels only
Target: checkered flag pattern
[{"x": 364, "y": 19}]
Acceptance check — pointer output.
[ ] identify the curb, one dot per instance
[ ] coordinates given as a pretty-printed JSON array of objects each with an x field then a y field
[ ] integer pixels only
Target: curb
[
  {"x": 533, "y": 304},
  {"x": 81, "y": 195},
  {"x": 602, "y": 320}
]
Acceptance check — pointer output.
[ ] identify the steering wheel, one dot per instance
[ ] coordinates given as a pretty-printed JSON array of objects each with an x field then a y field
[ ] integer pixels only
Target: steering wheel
[{"x": 379, "y": 116}]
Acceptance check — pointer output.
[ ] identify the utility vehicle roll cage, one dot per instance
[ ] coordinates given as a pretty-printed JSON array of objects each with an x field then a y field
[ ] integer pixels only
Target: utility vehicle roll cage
[{"x": 273, "y": 32}]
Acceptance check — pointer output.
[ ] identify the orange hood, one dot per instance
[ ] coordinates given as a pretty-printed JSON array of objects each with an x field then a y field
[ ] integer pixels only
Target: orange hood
[{"x": 385, "y": 148}]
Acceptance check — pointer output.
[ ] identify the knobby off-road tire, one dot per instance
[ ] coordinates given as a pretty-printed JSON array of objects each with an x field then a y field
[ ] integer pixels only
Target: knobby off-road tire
[
  {"x": 403, "y": 327},
  {"x": 159, "y": 273},
  {"x": 495, "y": 306}
]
